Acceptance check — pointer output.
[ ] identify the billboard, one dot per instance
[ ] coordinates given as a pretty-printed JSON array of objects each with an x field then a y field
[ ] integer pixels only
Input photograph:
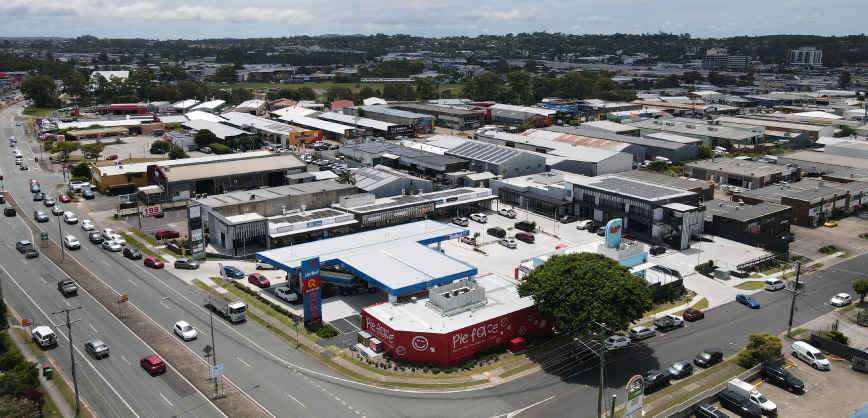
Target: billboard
[
  {"x": 296, "y": 138},
  {"x": 613, "y": 233},
  {"x": 196, "y": 232},
  {"x": 311, "y": 291},
  {"x": 635, "y": 393}
]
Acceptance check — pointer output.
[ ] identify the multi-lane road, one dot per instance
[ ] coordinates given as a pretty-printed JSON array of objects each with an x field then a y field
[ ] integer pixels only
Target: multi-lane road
[{"x": 285, "y": 381}]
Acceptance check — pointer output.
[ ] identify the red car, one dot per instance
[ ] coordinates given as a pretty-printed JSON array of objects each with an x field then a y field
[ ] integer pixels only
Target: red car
[
  {"x": 630, "y": 237},
  {"x": 111, "y": 157},
  {"x": 167, "y": 233},
  {"x": 153, "y": 364},
  {"x": 258, "y": 279},
  {"x": 154, "y": 262},
  {"x": 525, "y": 236},
  {"x": 693, "y": 314},
  {"x": 64, "y": 198}
]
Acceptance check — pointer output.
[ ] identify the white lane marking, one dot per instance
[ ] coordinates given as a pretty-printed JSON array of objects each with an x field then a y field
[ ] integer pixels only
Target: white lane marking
[
  {"x": 167, "y": 307},
  {"x": 67, "y": 302},
  {"x": 293, "y": 398},
  {"x": 43, "y": 279},
  {"x": 245, "y": 363},
  {"x": 167, "y": 401},
  {"x": 107, "y": 264},
  {"x": 134, "y": 283},
  {"x": 514, "y": 413},
  {"x": 94, "y": 329},
  {"x": 125, "y": 359}
]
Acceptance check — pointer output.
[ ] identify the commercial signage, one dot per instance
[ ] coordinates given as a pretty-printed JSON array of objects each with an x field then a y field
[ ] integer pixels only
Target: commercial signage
[
  {"x": 827, "y": 207},
  {"x": 635, "y": 392},
  {"x": 196, "y": 232},
  {"x": 151, "y": 211},
  {"x": 217, "y": 371},
  {"x": 305, "y": 136},
  {"x": 311, "y": 291},
  {"x": 314, "y": 223},
  {"x": 613, "y": 233}
]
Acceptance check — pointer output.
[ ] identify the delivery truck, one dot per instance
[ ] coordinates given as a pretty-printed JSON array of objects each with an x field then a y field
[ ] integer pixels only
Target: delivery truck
[{"x": 233, "y": 311}]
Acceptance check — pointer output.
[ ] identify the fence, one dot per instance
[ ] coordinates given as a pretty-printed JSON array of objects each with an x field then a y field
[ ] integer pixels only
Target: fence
[
  {"x": 686, "y": 408},
  {"x": 836, "y": 348}
]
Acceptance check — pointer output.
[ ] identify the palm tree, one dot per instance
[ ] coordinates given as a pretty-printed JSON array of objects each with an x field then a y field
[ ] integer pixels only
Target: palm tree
[{"x": 347, "y": 177}]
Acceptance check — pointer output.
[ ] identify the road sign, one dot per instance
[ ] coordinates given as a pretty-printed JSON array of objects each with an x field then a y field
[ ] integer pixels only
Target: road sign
[
  {"x": 26, "y": 322},
  {"x": 222, "y": 271},
  {"x": 635, "y": 392},
  {"x": 216, "y": 371},
  {"x": 151, "y": 211},
  {"x": 43, "y": 236}
]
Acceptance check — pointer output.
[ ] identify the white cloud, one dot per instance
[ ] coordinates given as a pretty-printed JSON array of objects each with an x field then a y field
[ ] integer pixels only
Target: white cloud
[{"x": 490, "y": 13}]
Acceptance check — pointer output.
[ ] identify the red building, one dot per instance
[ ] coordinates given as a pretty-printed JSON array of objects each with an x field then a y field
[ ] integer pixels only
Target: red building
[{"x": 123, "y": 109}]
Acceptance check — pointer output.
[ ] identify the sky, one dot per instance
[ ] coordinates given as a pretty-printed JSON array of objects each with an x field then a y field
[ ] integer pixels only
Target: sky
[{"x": 198, "y": 19}]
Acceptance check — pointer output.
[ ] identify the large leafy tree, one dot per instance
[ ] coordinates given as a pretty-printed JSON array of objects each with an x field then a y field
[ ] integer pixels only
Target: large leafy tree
[
  {"x": 64, "y": 148},
  {"x": 204, "y": 137},
  {"x": 861, "y": 289},
  {"x": 760, "y": 349},
  {"x": 41, "y": 90},
  {"x": 574, "y": 290},
  {"x": 92, "y": 150},
  {"x": 226, "y": 72}
]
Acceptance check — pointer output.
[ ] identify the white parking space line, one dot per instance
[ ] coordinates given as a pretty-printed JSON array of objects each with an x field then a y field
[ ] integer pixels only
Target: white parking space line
[
  {"x": 104, "y": 262},
  {"x": 167, "y": 401},
  {"x": 293, "y": 398},
  {"x": 245, "y": 363}
]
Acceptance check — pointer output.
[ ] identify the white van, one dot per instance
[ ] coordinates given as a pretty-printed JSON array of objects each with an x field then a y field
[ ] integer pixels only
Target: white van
[
  {"x": 809, "y": 354},
  {"x": 664, "y": 159},
  {"x": 774, "y": 284}
]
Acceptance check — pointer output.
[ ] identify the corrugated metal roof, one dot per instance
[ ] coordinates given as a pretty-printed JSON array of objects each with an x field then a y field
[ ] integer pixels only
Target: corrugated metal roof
[
  {"x": 272, "y": 162},
  {"x": 213, "y": 104},
  {"x": 576, "y": 139},
  {"x": 222, "y": 131},
  {"x": 355, "y": 120},
  {"x": 316, "y": 123},
  {"x": 482, "y": 151}
]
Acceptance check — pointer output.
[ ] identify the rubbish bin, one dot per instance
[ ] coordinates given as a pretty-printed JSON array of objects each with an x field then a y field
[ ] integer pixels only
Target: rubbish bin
[{"x": 48, "y": 372}]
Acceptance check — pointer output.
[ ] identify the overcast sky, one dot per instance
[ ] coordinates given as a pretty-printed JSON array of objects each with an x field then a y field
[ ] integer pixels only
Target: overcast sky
[{"x": 198, "y": 19}]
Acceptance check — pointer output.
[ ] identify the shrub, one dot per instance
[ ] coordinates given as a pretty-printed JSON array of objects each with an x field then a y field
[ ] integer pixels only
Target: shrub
[
  {"x": 761, "y": 348},
  {"x": 837, "y": 336},
  {"x": 327, "y": 331}
]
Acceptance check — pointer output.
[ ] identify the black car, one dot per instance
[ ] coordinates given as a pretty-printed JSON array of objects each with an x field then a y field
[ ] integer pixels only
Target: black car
[
  {"x": 601, "y": 231},
  {"x": 656, "y": 379},
  {"x": 705, "y": 410},
  {"x": 657, "y": 250},
  {"x": 708, "y": 357},
  {"x": 582, "y": 354},
  {"x": 681, "y": 369},
  {"x": 525, "y": 226},
  {"x": 741, "y": 405},
  {"x": 782, "y": 378},
  {"x": 497, "y": 232},
  {"x": 38, "y": 196},
  {"x": 9, "y": 211},
  {"x": 132, "y": 253},
  {"x": 788, "y": 237},
  {"x": 569, "y": 219},
  {"x": 157, "y": 151},
  {"x": 95, "y": 237},
  {"x": 2, "y": 198}
]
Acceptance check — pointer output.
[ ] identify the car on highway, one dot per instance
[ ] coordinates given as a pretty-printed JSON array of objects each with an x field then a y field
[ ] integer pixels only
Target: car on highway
[
  {"x": 496, "y": 231},
  {"x": 38, "y": 196},
  {"x": 107, "y": 233},
  {"x": 708, "y": 357},
  {"x": 258, "y": 280},
  {"x": 9, "y": 211},
  {"x": 693, "y": 314},
  {"x": 64, "y": 198},
  {"x": 525, "y": 237},
  {"x": 154, "y": 262},
  {"x": 640, "y": 333},
  {"x": 830, "y": 224},
  {"x": 841, "y": 299},
  {"x": 31, "y": 253},
  {"x": 286, "y": 294},
  {"x": 57, "y": 210},
  {"x": 111, "y": 245},
  {"x": 153, "y": 364},
  {"x": 680, "y": 369},
  {"x": 34, "y": 188},
  {"x": 233, "y": 272},
  {"x": 617, "y": 341},
  {"x": 747, "y": 300},
  {"x": 185, "y": 331},
  {"x": 509, "y": 213},
  {"x": 67, "y": 287},
  {"x": 40, "y": 216},
  {"x": 507, "y": 242},
  {"x": 70, "y": 218},
  {"x": 166, "y": 234},
  {"x": 132, "y": 253},
  {"x": 96, "y": 348},
  {"x": 23, "y": 245},
  {"x": 87, "y": 225},
  {"x": 95, "y": 238},
  {"x": 186, "y": 263},
  {"x": 118, "y": 238},
  {"x": 71, "y": 242},
  {"x": 48, "y": 201}
]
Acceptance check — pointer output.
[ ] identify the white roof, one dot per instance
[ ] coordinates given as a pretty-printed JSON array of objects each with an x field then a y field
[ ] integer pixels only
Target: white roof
[
  {"x": 184, "y": 104},
  {"x": 560, "y": 149},
  {"x": 355, "y": 120},
  {"x": 607, "y": 125},
  {"x": 819, "y": 115},
  {"x": 240, "y": 119},
  {"x": 200, "y": 115},
  {"x": 213, "y": 104},
  {"x": 445, "y": 141},
  {"x": 314, "y": 123},
  {"x": 222, "y": 131},
  {"x": 107, "y": 123},
  {"x": 525, "y": 109},
  {"x": 179, "y": 118},
  {"x": 109, "y": 74},
  {"x": 251, "y": 104},
  {"x": 370, "y": 101},
  {"x": 113, "y": 170},
  {"x": 294, "y": 110}
]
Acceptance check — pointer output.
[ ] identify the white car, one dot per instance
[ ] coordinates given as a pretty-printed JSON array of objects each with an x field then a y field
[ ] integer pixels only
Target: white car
[
  {"x": 507, "y": 242},
  {"x": 112, "y": 246},
  {"x": 87, "y": 225},
  {"x": 185, "y": 331},
  {"x": 107, "y": 233},
  {"x": 286, "y": 294},
  {"x": 118, "y": 239},
  {"x": 479, "y": 217},
  {"x": 263, "y": 266},
  {"x": 583, "y": 224},
  {"x": 617, "y": 341},
  {"x": 71, "y": 242},
  {"x": 840, "y": 299},
  {"x": 509, "y": 213},
  {"x": 774, "y": 284},
  {"x": 460, "y": 221}
]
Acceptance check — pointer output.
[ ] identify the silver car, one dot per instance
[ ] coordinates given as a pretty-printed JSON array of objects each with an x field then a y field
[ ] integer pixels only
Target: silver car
[
  {"x": 96, "y": 348},
  {"x": 112, "y": 246},
  {"x": 641, "y": 333},
  {"x": 508, "y": 242}
]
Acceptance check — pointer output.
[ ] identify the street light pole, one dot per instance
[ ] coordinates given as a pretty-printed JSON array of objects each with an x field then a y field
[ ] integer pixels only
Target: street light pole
[
  {"x": 60, "y": 234},
  {"x": 68, "y": 324}
]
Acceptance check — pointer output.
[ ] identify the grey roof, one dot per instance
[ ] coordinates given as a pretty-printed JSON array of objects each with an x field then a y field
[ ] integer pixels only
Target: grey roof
[
  {"x": 776, "y": 193},
  {"x": 307, "y": 216},
  {"x": 696, "y": 128},
  {"x": 595, "y": 133},
  {"x": 852, "y": 187},
  {"x": 271, "y": 163},
  {"x": 385, "y": 110},
  {"x": 805, "y": 158},
  {"x": 403, "y": 152},
  {"x": 736, "y": 166},
  {"x": 441, "y": 110},
  {"x": 631, "y": 187},
  {"x": 355, "y": 121},
  {"x": 733, "y": 210},
  {"x": 243, "y": 196},
  {"x": 222, "y": 131},
  {"x": 371, "y": 178},
  {"x": 315, "y": 123},
  {"x": 410, "y": 200},
  {"x": 669, "y": 181},
  {"x": 482, "y": 151},
  {"x": 852, "y": 174},
  {"x": 240, "y": 119},
  {"x": 575, "y": 152}
]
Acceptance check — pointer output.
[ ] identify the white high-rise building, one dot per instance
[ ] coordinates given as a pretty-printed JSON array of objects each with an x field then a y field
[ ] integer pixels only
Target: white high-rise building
[{"x": 805, "y": 57}]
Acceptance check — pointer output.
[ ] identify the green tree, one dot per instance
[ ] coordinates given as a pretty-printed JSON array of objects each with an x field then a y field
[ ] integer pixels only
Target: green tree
[
  {"x": 64, "y": 148},
  {"x": 177, "y": 153},
  {"x": 162, "y": 144},
  {"x": 705, "y": 152},
  {"x": 75, "y": 86},
  {"x": 483, "y": 87},
  {"x": 574, "y": 85},
  {"x": 17, "y": 407},
  {"x": 574, "y": 290},
  {"x": 861, "y": 289},
  {"x": 760, "y": 348},
  {"x": 4, "y": 320},
  {"x": 226, "y": 72},
  {"x": 844, "y": 80},
  {"x": 41, "y": 90},
  {"x": 520, "y": 82},
  {"x": 80, "y": 170},
  {"x": 9, "y": 360},
  {"x": 92, "y": 150},
  {"x": 205, "y": 137},
  {"x": 347, "y": 177},
  {"x": 501, "y": 66}
]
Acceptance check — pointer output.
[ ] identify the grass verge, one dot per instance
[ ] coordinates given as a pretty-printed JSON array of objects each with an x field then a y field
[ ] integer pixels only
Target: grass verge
[
  {"x": 817, "y": 265},
  {"x": 145, "y": 237},
  {"x": 692, "y": 379},
  {"x": 387, "y": 372},
  {"x": 665, "y": 307},
  {"x": 50, "y": 408},
  {"x": 755, "y": 276},
  {"x": 139, "y": 246},
  {"x": 751, "y": 285},
  {"x": 517, "y": 370},
  {"x": 852, "y": 306}
]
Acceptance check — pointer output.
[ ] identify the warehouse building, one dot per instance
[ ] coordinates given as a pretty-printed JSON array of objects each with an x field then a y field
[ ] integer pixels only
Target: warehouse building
[
  {"x": 422, "y": 123},
  {"x": 745, "y": 174},
  {"x": 460, "y": 119},
  {"x": 769, "y": 123},
  {"x": 637, "y": 151},
  {"x": 762, "y": 225},
  {"x": 373, "y": 127},
  {"x": 272, "y": 131},
  {"x": 378, "y": 213},
  {"x": 819, "y": 163},
  {"x": 809, "y": 207},
  {"x": 498, "y": 160},
  {"x": 403, "y": 158},
  {"x": 330, "y": 130},
  {"x": 713, "y": 135},
  {"x": 647, "y": 148},
  {"x": 704, "y": 189},
  {"x": 382, "y": 182}
]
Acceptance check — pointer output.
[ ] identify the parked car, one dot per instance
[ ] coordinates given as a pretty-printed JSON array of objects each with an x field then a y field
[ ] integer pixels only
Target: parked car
[
  {"x": 153, "y": 364},
  {"x": 601, "y": 231},
  {"x": 525, "y": 237},
  {"x": 258, "y": 280},
  {"x": 568, "y": 219},
  {"x": 262, "y": 266},
  {"x": 166, "y": 234},
  {"x": 830, "y": 224},
  {"x": 111, "y": 157},
  {"x": 617, "y": 341},
  {"x": 509, "y": 213},
  {"x": 206, "y": 150},
  {"x": 747, "y": 300},
  {"x": 582, "y": 353},
  {"x": 157, "y": 151},
  {"x": 738, "y": 403},
  {"x": 584, "y": 224},
  {"x": 154, "y": 262},
  {"x": 479, "y": 217},
  {"x": 656, "y": 379},
  {"x": 87, "y": 225},
  {"x": 705, "y": 410},
  {"x": 656, "y": 250},
  {"x": 693, "y": 314},
  {"x": 87, "y": 194},
  {"x": 507, "y": 242},
  {"x": 774, "y": 284},
  {"x": 669, "y": 321},
  {"x": 186, "y": 263},
  {"x": 496, "y": 231},
  {"x": 778, "y": 376},
  {"x": 680, "y": 369},
  {"x": 810, "y": 354},
  {"x": 132, "y": 253},
  {"x": 708, "y": 357},
  {"x": 233, "y": 272},
  {"x": 640, "y": 333},
  {"x": 789, "y": 237},
  {"x": 841, "y": 299},
  {"x": 40, "y": 216},
  {"x": 469, "y": 241},
  {"x": 96, "y": 348},
  {"x": 525, "y": 226},
  {"x": 185, "y": 331},
  {"x": 286, "y": 294}
]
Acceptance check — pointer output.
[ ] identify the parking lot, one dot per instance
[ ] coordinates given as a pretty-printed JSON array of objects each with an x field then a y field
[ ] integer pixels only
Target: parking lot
[{"x": 845, "y": 237}]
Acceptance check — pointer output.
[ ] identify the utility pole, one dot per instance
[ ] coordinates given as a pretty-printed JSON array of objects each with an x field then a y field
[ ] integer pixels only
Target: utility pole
[
  {"x": 68, "y": 324},
  {"x": 795, "y": 292},
  {"x": 602, "y": 367}
]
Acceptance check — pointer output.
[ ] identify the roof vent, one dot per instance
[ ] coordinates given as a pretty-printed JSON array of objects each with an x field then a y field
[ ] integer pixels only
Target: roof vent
[
  {"x": 413, "y": 299},
  {"x": 253, "y": 197}
]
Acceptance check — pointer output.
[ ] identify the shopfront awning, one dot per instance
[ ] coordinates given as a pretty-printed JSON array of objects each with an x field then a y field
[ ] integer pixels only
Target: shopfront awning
[
  {"x": 640, "y": 267},
  {"x": 313, "y": 229}
]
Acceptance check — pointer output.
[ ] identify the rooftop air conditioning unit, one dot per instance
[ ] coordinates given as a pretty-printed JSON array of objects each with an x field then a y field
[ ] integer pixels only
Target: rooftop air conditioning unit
[{"x": 204, "y": 195}]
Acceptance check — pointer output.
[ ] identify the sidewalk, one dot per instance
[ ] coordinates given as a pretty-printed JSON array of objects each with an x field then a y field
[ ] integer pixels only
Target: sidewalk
[{"x": 49, "y": 385}]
